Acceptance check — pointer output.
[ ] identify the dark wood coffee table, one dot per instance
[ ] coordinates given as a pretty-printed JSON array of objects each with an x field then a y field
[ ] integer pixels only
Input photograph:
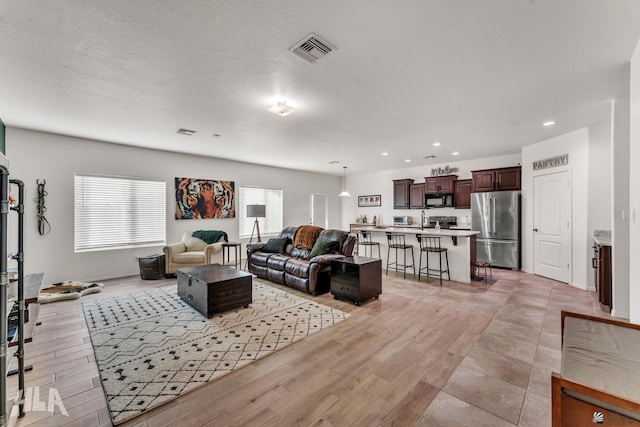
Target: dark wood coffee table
[{"x": 214, "y": 288}]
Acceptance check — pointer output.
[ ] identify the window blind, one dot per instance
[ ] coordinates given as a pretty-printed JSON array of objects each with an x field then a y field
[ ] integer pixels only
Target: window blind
[
  {"x": 118, "y": 212},
  {"x": 272, "y": 199}
]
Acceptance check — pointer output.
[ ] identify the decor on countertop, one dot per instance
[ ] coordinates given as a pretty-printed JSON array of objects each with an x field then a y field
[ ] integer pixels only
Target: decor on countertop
[
  {"x": 43, "y": 225},
  {"x": 151, "y": 347},
  {"x": 365, "y": 201},
  {"x": 256, "y": 211},
  {"x": 204, "y": 198},
  {"x": 68, "y": 289}
]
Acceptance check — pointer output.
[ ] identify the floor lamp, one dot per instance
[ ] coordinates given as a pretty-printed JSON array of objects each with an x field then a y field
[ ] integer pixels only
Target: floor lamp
[{"x": 256, "y": 211}]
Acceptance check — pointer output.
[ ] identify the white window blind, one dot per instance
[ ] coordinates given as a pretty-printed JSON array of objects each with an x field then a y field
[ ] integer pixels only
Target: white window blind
[
  {"x": 118, "y": 212},
  {"x": 272, "y": 199}
]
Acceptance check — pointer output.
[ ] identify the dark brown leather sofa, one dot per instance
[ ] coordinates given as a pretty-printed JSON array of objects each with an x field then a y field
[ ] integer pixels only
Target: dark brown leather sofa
[{"x": 293, "y": 267}]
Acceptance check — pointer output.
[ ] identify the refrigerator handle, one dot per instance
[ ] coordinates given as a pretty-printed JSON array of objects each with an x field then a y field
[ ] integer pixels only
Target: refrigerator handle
[{"x": 493, "y": 215}]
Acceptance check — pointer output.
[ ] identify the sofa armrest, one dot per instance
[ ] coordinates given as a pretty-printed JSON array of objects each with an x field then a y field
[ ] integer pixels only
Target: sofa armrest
[
  {"x": 172, "y": 249},
  {"x": 325, "y": 259},
  {"x": 210, "y": 250},
  {"x": 254, "y": 247}
]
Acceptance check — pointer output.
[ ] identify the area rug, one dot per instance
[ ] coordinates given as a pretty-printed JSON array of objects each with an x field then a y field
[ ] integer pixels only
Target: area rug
[
  {"x": 69, "y": 289},
  {"x": 152, "y": 347}
]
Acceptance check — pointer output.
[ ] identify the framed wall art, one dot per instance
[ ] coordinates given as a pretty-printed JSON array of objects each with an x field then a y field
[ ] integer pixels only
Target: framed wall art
[
  {"x": 371, "y": 200},
  {"x": 204, "y": 198}
]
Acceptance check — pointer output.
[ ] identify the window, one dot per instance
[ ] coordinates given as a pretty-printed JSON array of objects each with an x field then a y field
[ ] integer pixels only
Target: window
[
  {"x": 272, "y": 199},
  {"x": 118, "y": 212}
]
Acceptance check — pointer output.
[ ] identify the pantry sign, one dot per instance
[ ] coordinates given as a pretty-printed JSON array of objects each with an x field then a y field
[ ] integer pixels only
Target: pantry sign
[{"x": 551, "y": 162}]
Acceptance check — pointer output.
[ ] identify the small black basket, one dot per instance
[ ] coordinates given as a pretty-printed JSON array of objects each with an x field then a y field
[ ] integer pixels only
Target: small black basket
[{"x": 152, "y": 267}]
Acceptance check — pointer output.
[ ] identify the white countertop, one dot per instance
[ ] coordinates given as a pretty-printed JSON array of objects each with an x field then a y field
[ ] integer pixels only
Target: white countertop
[
  {"x": 426, "y": 231},
  {"x": 602, "y": 237}
]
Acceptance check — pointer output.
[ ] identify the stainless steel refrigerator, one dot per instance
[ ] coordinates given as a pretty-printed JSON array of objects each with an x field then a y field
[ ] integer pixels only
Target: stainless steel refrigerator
[{"x": 496, "y": 215}]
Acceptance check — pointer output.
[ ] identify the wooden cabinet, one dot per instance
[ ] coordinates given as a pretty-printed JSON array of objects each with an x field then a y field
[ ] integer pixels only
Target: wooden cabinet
[
  {"x": 356, "y": 278},
  {"x": 602, "y": 268},
  {"x": 462, "y": 195},
  {"x": 401, "y": 196},
  {"x": 502, "y": 179},
  {"x": 416, "y": 199},
  {"x": 440, "y": 184}
]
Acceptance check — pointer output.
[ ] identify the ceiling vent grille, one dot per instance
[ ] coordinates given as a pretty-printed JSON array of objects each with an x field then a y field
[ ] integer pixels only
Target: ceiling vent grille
[
  {"x": 183, "y": 131},
  {"x": 312, "y": 48}
]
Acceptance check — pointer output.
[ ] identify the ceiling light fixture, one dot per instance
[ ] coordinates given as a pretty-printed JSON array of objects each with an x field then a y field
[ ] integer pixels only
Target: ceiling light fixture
[
  {"x": 436, "y": 144},
  {"x": 281, "y": 109},
  {"x": 344, "y": 192},
  {"x": 548, "y": 123},
  {"x": 455, "y": 153},
  {"x": 385, "y": 154},
  {"x": 407, "y": 161}
]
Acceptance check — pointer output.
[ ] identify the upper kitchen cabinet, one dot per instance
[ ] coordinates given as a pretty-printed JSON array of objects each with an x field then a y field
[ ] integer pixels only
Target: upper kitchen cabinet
[
  {"x": 416, "y": 193},
  {"x": 401, "y": 193},
  {"x": 462, "y": 195},
  {"x": 502, "y": 179},
  {"x": 440, "y": 184}
]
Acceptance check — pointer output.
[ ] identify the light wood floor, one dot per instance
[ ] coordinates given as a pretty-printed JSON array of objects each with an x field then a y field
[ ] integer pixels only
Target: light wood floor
[{"x": 477, "y": 354}]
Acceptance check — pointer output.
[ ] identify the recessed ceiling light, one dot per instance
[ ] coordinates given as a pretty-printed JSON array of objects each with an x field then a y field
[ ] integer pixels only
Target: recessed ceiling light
[
  {"x": 549, "y": 123},
  {"x": 188, "y": 132},
  {"x": 429, "y": 157},
  {"x": 385, "y": 154},
  {"x": 455, "y": 153},
  {"x": 281, "y": 109},
  {"x": 408, "y": 160},
  {"x": 436, "y": 144}
]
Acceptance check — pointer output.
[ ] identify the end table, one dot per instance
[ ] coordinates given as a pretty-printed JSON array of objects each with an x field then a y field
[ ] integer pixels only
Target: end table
[{"x": 356, "y": 278}]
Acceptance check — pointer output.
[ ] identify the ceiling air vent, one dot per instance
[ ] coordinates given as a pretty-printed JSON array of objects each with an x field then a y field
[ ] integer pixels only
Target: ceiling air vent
[
  {"x": 312, "y": 48},
  {"x": 183, "y": 131}
]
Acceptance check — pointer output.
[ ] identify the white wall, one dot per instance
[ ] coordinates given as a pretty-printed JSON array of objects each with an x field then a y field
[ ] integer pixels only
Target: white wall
[
  {"x": 599, "y": 211},
  {"x": 55, "y": 158},
  {"x": 634, "y": 194},
  {"x": 382, "y": 183},
  {"x": 576, "y": 144},
  {"x": 620, "y": 207}
]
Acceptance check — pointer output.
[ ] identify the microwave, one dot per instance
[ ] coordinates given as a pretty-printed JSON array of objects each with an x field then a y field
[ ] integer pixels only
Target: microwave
[
  {"x": 438, "y": 200},
  {"x": 402, "y": 220}
]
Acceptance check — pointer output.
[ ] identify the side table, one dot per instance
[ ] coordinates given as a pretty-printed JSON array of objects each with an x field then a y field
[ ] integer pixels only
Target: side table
[
  {"x": 226, "y": 254},
  {"x": 356, "y": 278}
]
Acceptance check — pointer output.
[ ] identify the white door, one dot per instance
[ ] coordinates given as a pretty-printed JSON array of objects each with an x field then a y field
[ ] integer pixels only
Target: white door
[
  {"x": 319, "y": 210},
  {"x": 552, "y": 226}
]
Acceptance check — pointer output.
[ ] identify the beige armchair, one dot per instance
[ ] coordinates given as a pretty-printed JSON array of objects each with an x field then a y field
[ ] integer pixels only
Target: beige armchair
[{"x": 190, "y": 252}]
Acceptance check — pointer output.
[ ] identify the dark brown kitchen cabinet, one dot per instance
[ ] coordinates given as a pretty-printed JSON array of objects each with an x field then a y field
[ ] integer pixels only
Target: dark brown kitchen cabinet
[
  {"x": 602, "y": 268},
  {"x": 401, "y": 193},
  {"x": 440, "y": 184},
  {"x": 462, "y": 195},
  {"x": 502, "y": 179},
  {"x": 416, "y": 193}
]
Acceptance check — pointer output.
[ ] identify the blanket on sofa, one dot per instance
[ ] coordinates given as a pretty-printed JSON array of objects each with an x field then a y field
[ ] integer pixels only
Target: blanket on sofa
[
  {"x": 210, "y": 236},
  {"x": 306, "y": 236}
]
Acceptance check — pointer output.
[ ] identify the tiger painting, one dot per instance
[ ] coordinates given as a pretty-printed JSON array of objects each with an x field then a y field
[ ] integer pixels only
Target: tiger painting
[{"x": 204, "y": 198}]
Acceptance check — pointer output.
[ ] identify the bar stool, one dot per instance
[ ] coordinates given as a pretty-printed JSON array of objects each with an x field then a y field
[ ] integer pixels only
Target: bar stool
[
  {"x": 364, "y": 239},
  {"x": 397, "y": 241},
  {"x": 431, "y": 244}
]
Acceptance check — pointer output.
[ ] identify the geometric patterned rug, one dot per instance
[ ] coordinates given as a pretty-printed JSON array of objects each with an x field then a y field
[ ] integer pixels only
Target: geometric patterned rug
[{"x": 152, "y": 347}]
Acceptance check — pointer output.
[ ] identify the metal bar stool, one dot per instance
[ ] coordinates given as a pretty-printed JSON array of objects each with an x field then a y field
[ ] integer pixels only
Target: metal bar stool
[
  {"x": 397, "y": 242},
  {"x": 364, "y": 239},
  {"x": 431, "y": 244}
]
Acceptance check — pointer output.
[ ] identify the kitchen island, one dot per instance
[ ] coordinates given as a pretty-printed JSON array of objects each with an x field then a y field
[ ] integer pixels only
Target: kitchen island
[{"x": 460, "y": 244}]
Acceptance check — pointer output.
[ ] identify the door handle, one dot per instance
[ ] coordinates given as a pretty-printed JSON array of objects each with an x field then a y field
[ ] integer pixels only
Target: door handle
[{"x": 535, "y": 229}]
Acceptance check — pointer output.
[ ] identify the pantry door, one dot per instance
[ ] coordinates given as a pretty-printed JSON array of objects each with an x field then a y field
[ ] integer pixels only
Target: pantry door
[{"x": 319, "y": 210}]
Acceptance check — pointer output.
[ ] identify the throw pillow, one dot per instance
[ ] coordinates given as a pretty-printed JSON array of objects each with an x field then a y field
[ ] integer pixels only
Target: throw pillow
[
  {"x": 323, "y": 247},
  {"x": 275, "y": 245}
]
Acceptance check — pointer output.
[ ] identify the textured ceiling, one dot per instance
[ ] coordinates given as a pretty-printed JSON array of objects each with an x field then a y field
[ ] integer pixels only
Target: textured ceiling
[{"x": 478, "y": 75}]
